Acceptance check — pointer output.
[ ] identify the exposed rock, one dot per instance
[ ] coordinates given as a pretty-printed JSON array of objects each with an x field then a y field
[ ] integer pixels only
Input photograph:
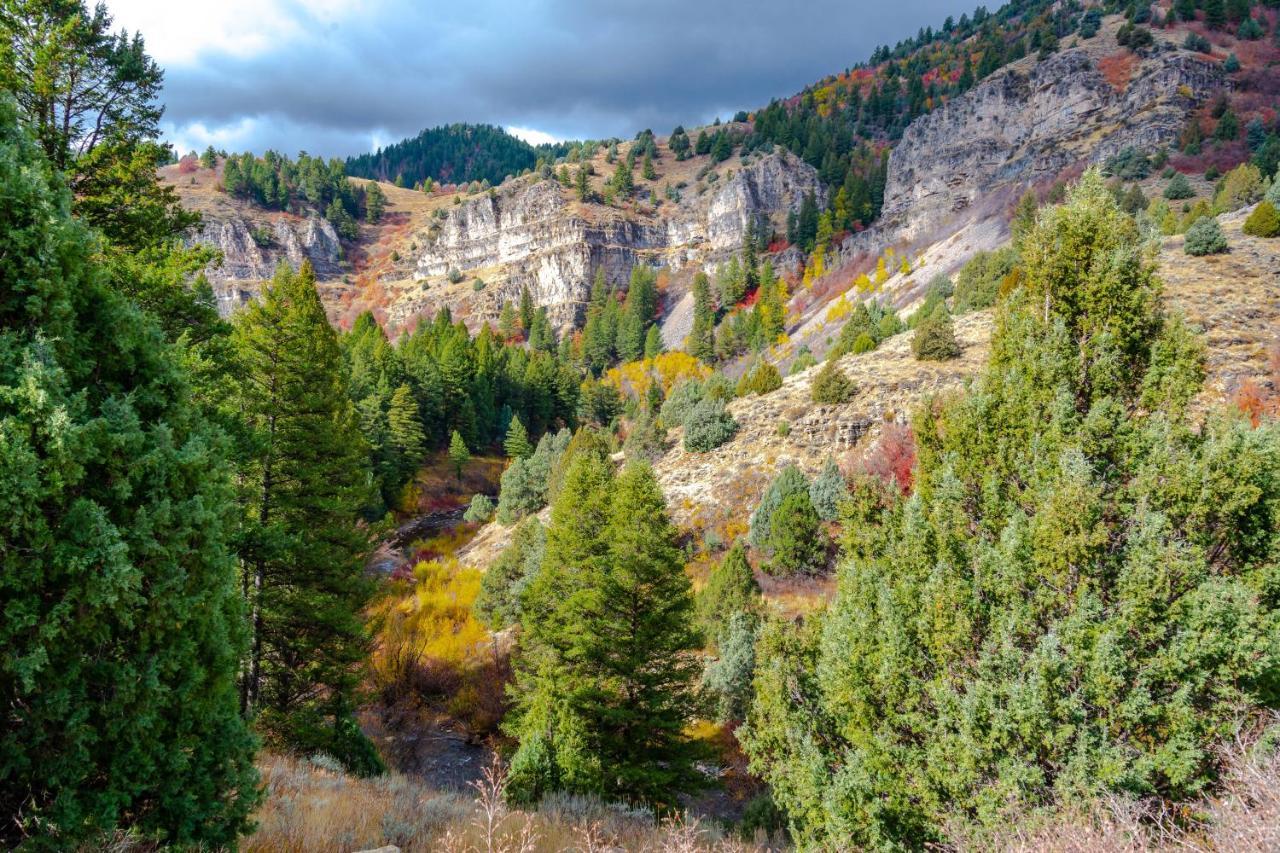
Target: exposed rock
[
  {"x": 534, "y": 234},
  {"x": 1028, "y": 122},
  {"x": 246, "y": 263}
]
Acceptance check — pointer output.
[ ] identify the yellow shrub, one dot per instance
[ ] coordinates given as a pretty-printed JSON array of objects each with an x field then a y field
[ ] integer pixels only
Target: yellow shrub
[{"x": 839, "y": 309}]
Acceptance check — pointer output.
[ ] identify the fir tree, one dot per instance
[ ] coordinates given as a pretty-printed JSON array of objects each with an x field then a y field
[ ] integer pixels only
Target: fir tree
[
  {"x": 606, "y": 673},
  {"x": 459, "y": 455},
  {"x": 375, "y": 201},
  {"x": 702, "y": 337},
  {"x": 795, "y": 537},
  {"x": 405, "y": 431},
  {"x": 653, "y": 342},
  {"x": 517, "y": 441},
  {"x": 831, "y": 386},
  {"x": 303, "y": 574},
  {"x": 731, "y": 588},
  {"x": 123, "y": 628}
]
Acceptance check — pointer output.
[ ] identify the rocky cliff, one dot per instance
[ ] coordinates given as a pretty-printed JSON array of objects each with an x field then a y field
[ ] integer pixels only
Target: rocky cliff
[
  {"x": 1028, "y": 122},
  {"x": 252, "y": 248},
  {"x": 536, "y": 234}
]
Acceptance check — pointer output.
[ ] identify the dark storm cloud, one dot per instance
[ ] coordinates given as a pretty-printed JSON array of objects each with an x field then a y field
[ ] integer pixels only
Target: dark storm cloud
[{"x": 571, "y": 68}]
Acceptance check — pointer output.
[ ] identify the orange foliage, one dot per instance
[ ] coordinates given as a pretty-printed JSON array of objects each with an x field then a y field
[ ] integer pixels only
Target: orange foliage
[
  {"x": 892, "y": 458},
  {"x": 1118, "y": 68},
  {"x": 1261, "y": 400}
]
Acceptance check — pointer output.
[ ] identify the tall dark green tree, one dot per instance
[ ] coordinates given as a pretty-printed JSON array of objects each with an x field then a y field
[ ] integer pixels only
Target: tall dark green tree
[
  {"x": 404, "y": 431},
  {"x": 302, "y": 492},
  {"x": 606, "y": 670},
  {"x": 123, "y": 628},
  {"x": 702, "y": 342}
]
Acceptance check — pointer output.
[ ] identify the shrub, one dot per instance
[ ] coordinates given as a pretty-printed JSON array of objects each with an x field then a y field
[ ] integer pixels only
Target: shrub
[
  {"x": 761, "y": 379},
  {"x": 455, "y": 275},
  {"x": 935, "y": 339},
  {"x": 708, "y": 426},
  {"x": 480, "y": 510},
  {"x": 525, "y": 483},
  {"x": 728, "y": 676},
  {"x": 827, "y": 490},
  {"x": 646, "y": 440},
  {"x": 831, "y": 386},
  {"x": 1263, "y": 222},
  {"x": 1198, "y": 43},
  {"x": 1205, "y": 237},
  {"x": 978, "y": 282},
  {"x": 680, "y": 402},
  {"x": 1231, "y": 66},
  {"x": 795, "y": 537},
  {"x": 731, "y": 588},
  {"x": 1129, "y": 165},
  {"x": 863, "y": 343},
  {"x": 1179, "y": 188},
  {"x": 1273, "y": 192},
  {"x": 804, "y": 360},
  {"x": 789, "y": 481},
  {"x": 1241, "y": 187}
]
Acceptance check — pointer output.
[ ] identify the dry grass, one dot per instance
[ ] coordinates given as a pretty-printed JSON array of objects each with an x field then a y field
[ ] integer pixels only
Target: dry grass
[{"x": 313, "y": 807}]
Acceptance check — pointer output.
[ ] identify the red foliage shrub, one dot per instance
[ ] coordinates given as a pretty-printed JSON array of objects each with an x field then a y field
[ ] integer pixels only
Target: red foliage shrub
[
  {"x": 1118, "y": 68},
  {"x": 188, "y": 164},
  {"x": 892, "y": 458}
]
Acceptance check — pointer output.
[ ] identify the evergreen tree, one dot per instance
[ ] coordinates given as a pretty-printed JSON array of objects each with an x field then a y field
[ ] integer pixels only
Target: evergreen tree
[
  {"x": 405, "y": 431},
  {"x": 517, "y": 441},
  {"x": 831, "y": 386},
  {"x": 828, "y": 490},
  {"x": 702, "y": 337},
  {"x": 459, "y": 455},
  {"x": 653, "y": 342},
  {"x": 935, "y": 337},
  {"x": 123, "y": 628},
  {"x": 303, "y": 569},
  {"x": 606, "y": 673},
  {"x": 789, "y": 481},
  {"x": 375, "y": 201},
  {"x": 1062, "y": 600},
  {"x": 731, "y": 588},
  {"x": 795, "y": 537},
  {"x": 527, "y": 310}
]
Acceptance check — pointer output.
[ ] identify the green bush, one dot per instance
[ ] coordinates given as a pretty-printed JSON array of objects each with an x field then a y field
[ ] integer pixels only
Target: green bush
[
  {"x": 731, "y": 588},
  {"x": 708, "y": 426},
  {"x": 1129, "y": 165},
  {"x": 864, "y": 343},
  {"x": 680, "y": 402},
  {"x": 727, "y": 677},
  {"x": 789, "y": 481},
  {"x": 480, "y": 510},
  {"x": 761, "y": 379},
  {"x": 1205, "y": 237},
  {"x": 831, "y": 386},
  {"x": 935, "y": 339},
  {"x": 1179, "y": 188},
  {"x": 795, "y": 537},
  {"x": 978, "y": 282},
  {"x": 828, "y": 490},
  {"x": 1263, "y": 222}
]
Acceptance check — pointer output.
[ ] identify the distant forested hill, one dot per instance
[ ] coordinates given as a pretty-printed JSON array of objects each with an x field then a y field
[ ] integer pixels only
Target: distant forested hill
[{"x": 452, "y": 154}]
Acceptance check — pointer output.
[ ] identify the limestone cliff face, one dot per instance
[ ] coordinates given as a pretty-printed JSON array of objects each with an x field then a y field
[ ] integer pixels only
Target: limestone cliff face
[
  {"x": 248, "y": 261},
  {"x": 535, "y": 234},
  {"x": 1028, "y": 122}
]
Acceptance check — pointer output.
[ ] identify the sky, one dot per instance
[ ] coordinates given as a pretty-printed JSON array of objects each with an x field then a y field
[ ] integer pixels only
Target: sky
[{"x": 341, "y": 77}]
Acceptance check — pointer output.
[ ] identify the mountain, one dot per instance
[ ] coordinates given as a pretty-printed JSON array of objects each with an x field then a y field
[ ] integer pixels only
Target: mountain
[{"x": 452, "y": 154}]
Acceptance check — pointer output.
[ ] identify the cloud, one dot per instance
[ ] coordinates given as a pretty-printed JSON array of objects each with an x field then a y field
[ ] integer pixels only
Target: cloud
[{"x": 337, "y": 77}]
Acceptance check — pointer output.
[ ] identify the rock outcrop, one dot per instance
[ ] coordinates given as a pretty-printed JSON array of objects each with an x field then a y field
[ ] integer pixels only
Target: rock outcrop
[
  {"x": 1026, "y": 123},
  {"x": 252, "y": 249},
  {"x": 534, "y": 234}
]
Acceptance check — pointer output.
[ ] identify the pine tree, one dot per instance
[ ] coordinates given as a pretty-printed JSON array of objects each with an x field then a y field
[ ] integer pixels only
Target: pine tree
[
  {"x": 653, "y": 342},
  {"x": 605, "y": 672},
  {"x": 702, "y": 337},
  {"x": 517, "y": 441},
  {"x": 405, "y": 431},
  {"x": 795, "y": 537},
  {"x": 375, "y": 201},
  {"x": 123, "y": 626},
  {"x": 831, "y": 386},
  {"x": 731, "y": 588},
  {"x": 459, "y": 455},
  {"x": 507, "y": 321},
  {"x": 304, "y": 574},
  {"x": 527, "y": 309}
]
